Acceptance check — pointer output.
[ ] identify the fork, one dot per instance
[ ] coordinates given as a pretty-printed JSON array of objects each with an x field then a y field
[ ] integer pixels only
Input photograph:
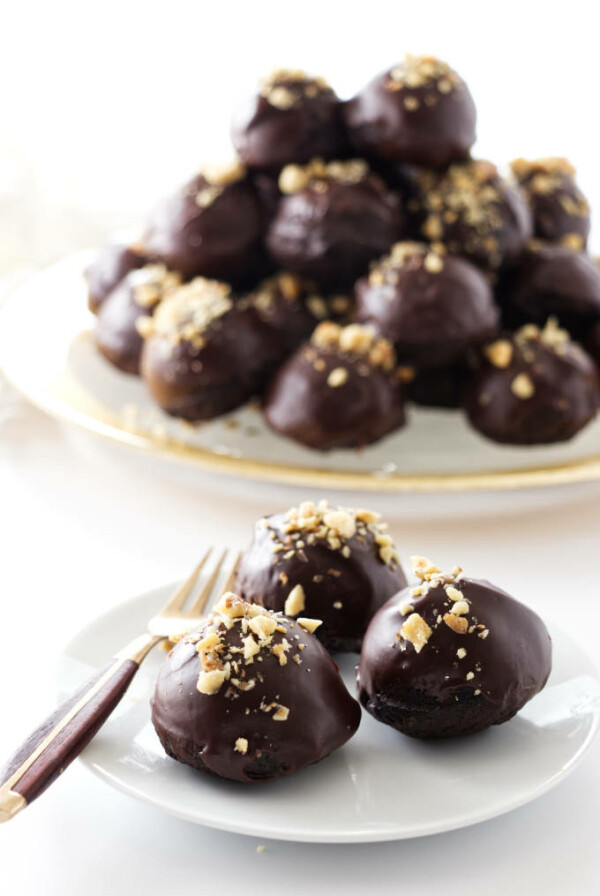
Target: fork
[{"x": 64, "y": 734}]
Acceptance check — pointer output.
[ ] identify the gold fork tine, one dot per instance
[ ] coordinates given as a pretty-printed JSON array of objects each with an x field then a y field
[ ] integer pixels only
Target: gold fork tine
[
  {"x": 231, "y": 577},
  {"x": 199, "y": 603},
  {"x": 177, "y": 601}
]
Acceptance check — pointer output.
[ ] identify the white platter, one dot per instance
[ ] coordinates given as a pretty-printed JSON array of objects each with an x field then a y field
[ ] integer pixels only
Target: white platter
[{"x": 380, "y": 786}]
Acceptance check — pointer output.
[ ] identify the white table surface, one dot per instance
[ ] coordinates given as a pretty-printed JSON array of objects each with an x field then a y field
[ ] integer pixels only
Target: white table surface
[{"x": 87, "y": 525}]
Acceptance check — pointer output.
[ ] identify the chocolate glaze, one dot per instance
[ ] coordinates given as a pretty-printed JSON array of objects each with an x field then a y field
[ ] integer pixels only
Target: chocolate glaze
[
  {"x": 344, "y": 592},
  {"x": 553, "y": 280},
  {"x": 430, "y": 124},
  {"x": 432, "y": 307},
  {"x": 107, "y": 270},
  {"x": 305, "y": 124},
  {"x": 218, "y": 237},
  {"x": 427, "y": 694},
  {"x": 200, "y": 381},
  {"x": 475, "y": 213},
  {"x": 302, "y": 405},
  {"x": 561, "y": 212},
  {"x": 330, "y": 231},
  {"x": 542, "y": 395},
  {"x": 202, "y": 729},
  {"x": 592, "y": 342},
  {"x": 290, "y": 306},
  {"x": 116, "y": 333}
]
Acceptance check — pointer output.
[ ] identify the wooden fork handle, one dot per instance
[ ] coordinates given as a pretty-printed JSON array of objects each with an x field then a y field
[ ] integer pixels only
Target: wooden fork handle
[{"x": 63, "y": 735}]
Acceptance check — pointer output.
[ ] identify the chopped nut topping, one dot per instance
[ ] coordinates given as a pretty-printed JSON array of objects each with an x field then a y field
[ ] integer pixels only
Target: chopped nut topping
[
  {"x": 281, "y": 714},
  {"x": 337, "y": 377},
  {"x": 186, "y": 313},
  {"x": 241, "y": 745},
  {"x": 469, "y": 676},
  {"x": 210, "y": 682},
  {"x": 422, "y": 71},
  {"x": 417, "y": 631},
  {"x": 499, "y": 353},
  {"x": 461, "y": 653},
  {"x": 310, "y": 625},
  {"x": 356, "y": 339},
  {"x": 222, "y": 175},
  {"x": 319, "y": 174},
  {"x": 453, "y": 593},
  {"x": 285, "y": 88},
  {"x": 151, "y": 282},
  {"x": 458, "y": 624},
  {"x": 522, "y": 386},
  {"x": 295, "y": 601},
  {"x": 406, "y": 608},
  {"x": 460, "y": 608}
]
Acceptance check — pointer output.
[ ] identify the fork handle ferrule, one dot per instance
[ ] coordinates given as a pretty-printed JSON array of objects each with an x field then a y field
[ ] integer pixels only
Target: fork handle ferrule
[{"x": 64, "y": 734}]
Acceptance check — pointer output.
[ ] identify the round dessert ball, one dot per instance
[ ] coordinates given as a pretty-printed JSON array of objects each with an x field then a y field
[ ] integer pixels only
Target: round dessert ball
[
  {"x": 212, "y": 227},
  {"x": 335, "y": 562},
  {"x": 439, "y": 387},
  {"x": 332, "y": 221},
  {"x": 342, "y": 389},
  {"x": 532, "y": 388},
  {"x": 433, "y": 307},
  {"x": 561, "y": 213},
  {"x": 475, "y": 213},
  {"x": 293, "y": 118},
  {"x": 451, "y": 656},
  {"x": 553, "y": 280},
  {"x": 137, "y": 296},
  {"x": 251, "y": 695},
  {"x": 420, "y": 112},
  {"x": 290, "y": 306},
  {"x": 205, "y": 352},
  {"x": 110, "y": 265}
]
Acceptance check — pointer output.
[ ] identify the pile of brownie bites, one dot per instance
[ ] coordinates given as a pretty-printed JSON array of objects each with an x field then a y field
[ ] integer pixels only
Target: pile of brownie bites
[
  {"x": 354, "y": 257},
  {"x": 253, "y": 692}
]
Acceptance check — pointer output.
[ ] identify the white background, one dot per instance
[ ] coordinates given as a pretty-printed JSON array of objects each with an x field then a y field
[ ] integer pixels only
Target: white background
[{"x": 104, "y": 107}]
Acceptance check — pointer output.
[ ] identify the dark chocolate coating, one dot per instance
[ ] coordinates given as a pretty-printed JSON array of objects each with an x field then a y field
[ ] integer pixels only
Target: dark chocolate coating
[
  {"x": 199, "y": 384},
  {"x": 565, "y": 398},
  {"x": 361, "y": 583},
  {"x": 331, "y": 235},
  {"x": 432, "y": 317},
  {"x": 440, "y": 387},
  {"x": 559, "y": 208},
  {"x": 475, "y": 213},
  {"x": 281, "y": 302},
  {"x": 267, "y": 137},
  {"x": 201, "y": 729},
  {"x": 111, "y": 265},
  {"x": 300, "y": 405},
  {"x": 440, "y": 129},
  {"x": 426, "y": 694},
  {"x": 116, "y": 333},
  {"x": 552, "y": 280},
  {"x": 592, "y": 342},
  {"x": 221, "y": 240}
]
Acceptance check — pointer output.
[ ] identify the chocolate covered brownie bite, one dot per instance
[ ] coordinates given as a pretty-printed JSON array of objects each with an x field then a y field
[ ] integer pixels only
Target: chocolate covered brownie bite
[
  {"x": 212, "y": 227},
  {"x": 332, "y": 221},
  {"x": 475, "y": 213},
  {"x": 432, "y": 306},
  {"x": 419, "y": 112},
  {"x": 337, "y": 563},
  {"x": 111, "y": 264},
  {"x": 206, "y": 351},
  {"x": 137, "y": 295},
  {"x": 533, "y": 387},
  {"x": 251, "y": 695},
  {"x": 561, "y": 213},
  {"x": 451, "y": 656},
  {"x": 343, "y": 389},
  {"x": 553, "y": 280},
  {"x": 294, "y": 118}
]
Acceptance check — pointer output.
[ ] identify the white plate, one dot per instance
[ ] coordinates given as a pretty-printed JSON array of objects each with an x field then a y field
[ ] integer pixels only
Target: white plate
[
  {"x": 380, "y": 786},
  {"x": 47, "y": 350}
]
